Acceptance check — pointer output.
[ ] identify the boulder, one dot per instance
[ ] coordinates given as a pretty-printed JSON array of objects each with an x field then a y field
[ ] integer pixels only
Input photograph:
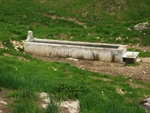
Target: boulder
[{"x": 146, "y": 103}]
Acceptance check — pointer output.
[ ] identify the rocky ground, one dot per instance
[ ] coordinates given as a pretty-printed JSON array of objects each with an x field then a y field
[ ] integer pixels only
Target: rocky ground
[{"x": 140, "y": 71}]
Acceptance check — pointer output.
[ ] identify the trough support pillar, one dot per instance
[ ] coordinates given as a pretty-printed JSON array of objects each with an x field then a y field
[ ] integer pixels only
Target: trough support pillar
[{"x": 30, "y": 36}]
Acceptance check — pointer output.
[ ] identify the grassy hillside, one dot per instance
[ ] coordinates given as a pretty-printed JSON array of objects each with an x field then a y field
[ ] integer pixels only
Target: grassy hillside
[
  {"x": 94, "y": 21},
  {"x": 76, "y": 20},
  {"x": 97, "y": 93}
]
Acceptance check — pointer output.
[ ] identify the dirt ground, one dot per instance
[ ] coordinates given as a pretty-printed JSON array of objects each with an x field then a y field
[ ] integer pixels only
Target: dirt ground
[
  {"x": 141, "y": 71},
  {"x": 5, "y": 102}
]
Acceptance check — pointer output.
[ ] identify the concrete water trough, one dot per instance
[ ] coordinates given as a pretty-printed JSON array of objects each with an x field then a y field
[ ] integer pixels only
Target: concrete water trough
[{"x": 79, "y": 50}]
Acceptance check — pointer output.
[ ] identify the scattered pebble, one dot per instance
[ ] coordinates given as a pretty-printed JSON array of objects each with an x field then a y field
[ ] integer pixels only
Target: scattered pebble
[
  {"x": 119, "y": 38},
  {"x": 3, "y": 102},
  {"x": 54, "y": 69},
  {"x": 72, "y": 59},
  {"x": 17, "y": 45},
  {"x": 138, "y": 60},
  {"x": 97, "y": 38},
  {"x": 129, "y": 29},
  {"x": 120, "y": 91}
]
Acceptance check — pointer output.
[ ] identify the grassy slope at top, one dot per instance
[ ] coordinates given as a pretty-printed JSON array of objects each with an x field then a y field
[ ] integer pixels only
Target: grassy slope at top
[
  {"x": 65, "y": 19},
  {"x": 97, "y": 93}
]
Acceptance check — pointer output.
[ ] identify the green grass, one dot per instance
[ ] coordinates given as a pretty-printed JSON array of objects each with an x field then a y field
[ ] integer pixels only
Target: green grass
[
  {"x": 105, "y": 21},
  {"x": 108, "y": 22},
  {"x": 65, "y": 82},
  {"x": 132, "y": 64},
  {"x": 141, "y": 53},
  {"x": 53, "y": 107}
]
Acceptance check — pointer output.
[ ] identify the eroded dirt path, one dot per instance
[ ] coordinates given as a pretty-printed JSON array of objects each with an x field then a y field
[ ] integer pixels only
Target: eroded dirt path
[{"x": 141, "y": 72}]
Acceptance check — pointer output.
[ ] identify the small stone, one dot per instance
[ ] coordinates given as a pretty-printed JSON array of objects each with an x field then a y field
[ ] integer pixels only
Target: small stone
[
  {"x": 54, "y": 69},
  {"x": 144, "y": 72},
  {"x": 97, "y": 38},
  {"x": 129, "y": 29},
  {"x": 3, "y": 102},
  {"x": 145, "y": 95},
  {"x": 138, "y": 60},
  {"x": 72, "y": 59},
  {"x": 120, "y": 91},
  {"x": 119, "y": 38}
]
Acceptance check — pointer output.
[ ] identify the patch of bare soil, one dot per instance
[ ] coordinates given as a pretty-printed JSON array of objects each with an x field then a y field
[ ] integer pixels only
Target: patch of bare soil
[
  {"x": 68, "y": 18},
  {"x": 143, "y": 48},
  {"x": 5, "y": 102},
  {"x": 19, "y": 57},
  {"x": 141, "y": 72}
]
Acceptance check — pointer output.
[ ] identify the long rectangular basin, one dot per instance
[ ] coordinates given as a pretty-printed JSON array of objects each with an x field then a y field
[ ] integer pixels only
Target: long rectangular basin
[{"x": 79, "y": 50}]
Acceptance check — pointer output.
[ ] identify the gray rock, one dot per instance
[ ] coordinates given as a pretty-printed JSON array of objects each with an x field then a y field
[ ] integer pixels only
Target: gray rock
[
  {"x": 142, "y": 26},
  {"x": 146, "y": 103}
]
